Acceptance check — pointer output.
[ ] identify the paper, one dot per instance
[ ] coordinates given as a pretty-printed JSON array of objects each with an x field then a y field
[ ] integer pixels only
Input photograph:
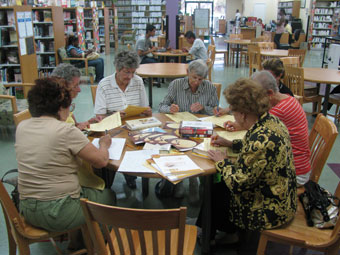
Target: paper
[
  {"x": 28, "y": 24},
  {"x": 108, "y": 123},
  {"x": 22, "y": 45},
  {"x": 133, "y": 110},
  {"x": 133, "y": 161},
  {"x": 21, "y": 24},
  {"x": 116, "y": 148},
  {"x": 175, "y": 164},
  {"x": 232, "y": 135},
  {"x": 219, "y": 121},
  {"x": 179, "y": 116},
  {"x": 161, "y": 147}
]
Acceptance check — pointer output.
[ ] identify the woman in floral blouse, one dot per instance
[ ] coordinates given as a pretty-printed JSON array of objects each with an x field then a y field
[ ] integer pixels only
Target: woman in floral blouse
[{"x": 260, "y": 186}]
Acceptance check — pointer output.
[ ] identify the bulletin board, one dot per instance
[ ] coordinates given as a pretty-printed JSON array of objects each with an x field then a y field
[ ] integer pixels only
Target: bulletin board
[{"x": 201, "y": 18}]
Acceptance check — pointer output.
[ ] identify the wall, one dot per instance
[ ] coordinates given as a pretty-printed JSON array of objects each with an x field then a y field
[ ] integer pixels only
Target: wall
[
  {"x": 231, "y": 7},
  {"x": 172, "y": 11},
  {"x": 271, "y": 8}
]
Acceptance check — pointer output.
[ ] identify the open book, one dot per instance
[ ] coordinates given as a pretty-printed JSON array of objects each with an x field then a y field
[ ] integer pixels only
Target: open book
[{"x": 143, "y": 123}]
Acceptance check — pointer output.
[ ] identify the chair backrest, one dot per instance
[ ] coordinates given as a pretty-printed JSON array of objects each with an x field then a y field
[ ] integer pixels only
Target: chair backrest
[
  {"x": 265, "y": 45},
  {"x": 294, "y": 80},
  {"x": 218, "y": 87},
  {"x": 20, "y": 116},
  {"x": 297, "y": 53},
  {"x": 236, "y": 36},
  {"x": 291, "y": 61},
  {"x": 254, "y": 58},
  {"x": 212, "y": 40},
  {"x": 284, "y": 38},
  {"x": 94, "y": 92},
  {"x": 210, "y": 65},
  {"x": 321, "y": 140},
  {"x": 62, "y": 55},
  {"x": 211, "y": 52},
  {"x": 154, "y": 228}
]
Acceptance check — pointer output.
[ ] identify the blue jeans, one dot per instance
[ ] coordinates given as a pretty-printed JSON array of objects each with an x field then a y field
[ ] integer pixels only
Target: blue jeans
[
  {"x": 147, "y": 60},
  {"x": 99, "y": 66}
]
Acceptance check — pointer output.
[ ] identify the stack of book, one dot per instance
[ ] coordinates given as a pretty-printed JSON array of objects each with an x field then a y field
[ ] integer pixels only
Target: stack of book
[{"x": 190, "y": 129}]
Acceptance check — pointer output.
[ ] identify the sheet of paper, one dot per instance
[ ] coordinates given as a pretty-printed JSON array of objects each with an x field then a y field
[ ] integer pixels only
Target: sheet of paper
[
  {"x": 179, "y": 116},
  {"x": 108, "y": 123},
  {"x": 173, "y": 164},
  {"x": 161, "y": 147},
  {"x": 22, "y": 45},
  {"x": 21, "y": 24},
  {"x": 218, "y": 121},
  {"x": 116, "y": 148},
  {"x": 232, "y": 135},
  {"x": 133, "y": 161},
  {"x": 134, "y": 110},
  {"x": 28, "y": 24}
]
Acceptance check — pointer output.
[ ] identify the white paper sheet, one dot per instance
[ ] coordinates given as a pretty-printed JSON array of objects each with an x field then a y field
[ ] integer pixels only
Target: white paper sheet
[
  {"x": 133, "y": 161},
  {"x": 116, "y": 148},
  {"x": 21, "y": 24},
  {"x": 28, "y": 24},
  {"x": 22, "y": 44}
]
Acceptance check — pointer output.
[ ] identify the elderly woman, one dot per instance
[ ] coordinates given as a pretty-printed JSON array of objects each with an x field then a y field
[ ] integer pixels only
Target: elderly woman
[
  {"x": 123, "y": 88},
  {"x": 71, "y": 75},
  {"x": 260, "y": 186},
  {"x": 192, "y": 93},
  {"x": 47, "y": 151},
  {"x": 73, "y": 51}
]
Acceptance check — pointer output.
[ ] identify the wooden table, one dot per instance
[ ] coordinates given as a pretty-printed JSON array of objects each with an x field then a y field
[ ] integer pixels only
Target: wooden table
[
  {"x": 238, "y": 43},
  {"x": 161, "y": 70},
  {"x": 206, "y": 164},
  {"x": 171, "y": 53},
  {"x": 324, "y": 76},
  {"x": 274, "y": 53}
]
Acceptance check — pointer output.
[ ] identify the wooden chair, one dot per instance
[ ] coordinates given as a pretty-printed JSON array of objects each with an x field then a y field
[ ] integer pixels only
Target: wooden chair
[
  {"x": 218, "y": 87},
  {"x": 220, "y": 51},
  {"x": 291, "y": 61},
  {"x": 296, "y": 45},
  {"x": 254, "y": 55},
  {"x": 335, "y": 99},
  {"x": 233, "y": 47},
  {"x": 85, "y": 71},
  {"x": 299, "y": 234},
  {"x": 265, "y": 45},
  {"x": 138, "y": 231},
  {"x": 210, "y": 65},
  {"x": 294, "y": 80},
  {"x": 20, "y": 116},
  {"x": 297, "y": 53},
  {"x": 21, "y": 234},
  {"x": 284, "y": 38},
  {"x": 94, "y": 92},
  {"x": 211, "y": 53}
]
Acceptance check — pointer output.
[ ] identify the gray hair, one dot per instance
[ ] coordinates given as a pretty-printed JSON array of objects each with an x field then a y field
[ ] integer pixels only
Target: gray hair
[
  {"x": 266, "y": 79},
  {"x": 199, "y": 67},
  {"x": 126, "y": 59},
  {"x": 66, "y": 71}
]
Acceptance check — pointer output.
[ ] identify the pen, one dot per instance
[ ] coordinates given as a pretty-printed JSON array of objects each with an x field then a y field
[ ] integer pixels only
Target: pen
[{"x": 130, "y": 146}]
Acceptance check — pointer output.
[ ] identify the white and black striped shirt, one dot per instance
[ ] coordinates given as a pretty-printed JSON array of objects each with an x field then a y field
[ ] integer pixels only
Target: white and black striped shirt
[
  {"x": 179, "y": 93},
  {"x": 110, "y": 98}
]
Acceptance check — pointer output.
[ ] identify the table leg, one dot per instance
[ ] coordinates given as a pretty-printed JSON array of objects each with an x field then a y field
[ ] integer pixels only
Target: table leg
[
  {"x": 150, "y": 91},
  {"x": 237, "y": 52},
  {"x": 325, "y": 102},
  {"x": 228, "y": 52},
  {"x": 145, "y": 187},
  {"x": 206, "y": 215}
]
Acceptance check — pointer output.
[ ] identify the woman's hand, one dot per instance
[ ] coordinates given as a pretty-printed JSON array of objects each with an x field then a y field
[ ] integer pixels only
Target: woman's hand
[
  {"x": 232, "y": 126},
  {"x": 221, "y": 111},
  {"x": 122, "y": 114},
  {"x": 217, "y": 141},
  {"x": 196, "y": 107},
  {"x": 216, "y": 155},
  {"x": 174, "y": 108},
  {"x": 83, "y": 125},
  {"x": 147, "y": 112},
  {"x": 96, "y": 119},
  {"x": 105, "y": 141}
]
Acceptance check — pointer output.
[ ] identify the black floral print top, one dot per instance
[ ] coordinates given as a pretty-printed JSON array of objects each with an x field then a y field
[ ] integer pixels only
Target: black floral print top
[{"x": 262, "y": 180}]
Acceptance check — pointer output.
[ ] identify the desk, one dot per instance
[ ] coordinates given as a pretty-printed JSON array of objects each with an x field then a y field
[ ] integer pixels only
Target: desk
[
  {"x": 325, "y": 76},
  {"x": 171, "y": 53},
  {"x": 238, "y": 43},
  {"x": 274, "y": 53},
  {"x": 161, "y": 70},
  {"x": 206, "y": 164}
]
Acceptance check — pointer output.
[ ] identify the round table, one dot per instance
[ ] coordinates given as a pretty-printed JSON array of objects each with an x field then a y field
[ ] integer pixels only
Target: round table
[
  {"x": 161, "y": 70},
  {"x": 171, "y": 53},
  {"x": 274, "y": 53},
  {"x": 324, "y": 76},
  {"x": 238, "y": 42}
]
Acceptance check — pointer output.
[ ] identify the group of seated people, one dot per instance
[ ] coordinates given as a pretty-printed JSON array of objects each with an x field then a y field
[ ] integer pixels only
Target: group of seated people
[{"x": 256, "y": 191}]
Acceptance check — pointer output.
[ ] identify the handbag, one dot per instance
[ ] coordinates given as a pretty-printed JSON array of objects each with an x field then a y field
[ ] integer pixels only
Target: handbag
[
  {"x": 319, "y": 206},
  {"x": 93, "y": 56},
  {"x": 14, "y": 182}
]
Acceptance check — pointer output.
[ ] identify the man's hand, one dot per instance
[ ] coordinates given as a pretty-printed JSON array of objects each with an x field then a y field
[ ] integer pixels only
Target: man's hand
[
  {"x": 122, "y": 114},
  {"x": 174, "y": 108},
  {"x": 185, "y": 49},
  {"x": 196, "y": 107},
  {"x": 216, "y": 155},
  {"x": 221, "y": 111},
  {"x": 147, "y": 112}
]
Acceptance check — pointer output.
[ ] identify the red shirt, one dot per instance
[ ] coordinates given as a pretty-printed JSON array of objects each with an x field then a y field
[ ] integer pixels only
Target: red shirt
[{"x": 290, "y": 112}]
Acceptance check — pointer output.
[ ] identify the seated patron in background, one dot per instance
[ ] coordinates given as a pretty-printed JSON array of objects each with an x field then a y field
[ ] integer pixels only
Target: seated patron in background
[
  {"x": 198, "y": 49},
  {"x": 47, "y": 151},
  {"x": 259, "y": 22},
  {"x": 144, "y": 46},
  {"x": 192, "y": 94},
  {"x": 71, "y": 75},
  {"x": 123, "y": 88},
  {"x": 288, "y": 27},
  {"x": 73, "y": 51},
  {"x": 258, "y": 190}
]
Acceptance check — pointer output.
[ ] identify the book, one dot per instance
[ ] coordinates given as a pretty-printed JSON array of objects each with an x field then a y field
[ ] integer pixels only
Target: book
[
  {"x": 47, "y": 16},
  {"x": 10, "y": 18},
  {"x": 196, "y": 129},
  {"x": 143, "y": 123}
]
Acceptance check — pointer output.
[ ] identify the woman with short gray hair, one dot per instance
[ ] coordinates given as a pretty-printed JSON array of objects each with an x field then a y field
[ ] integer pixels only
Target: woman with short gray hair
[{"x": 126, "y": 59}]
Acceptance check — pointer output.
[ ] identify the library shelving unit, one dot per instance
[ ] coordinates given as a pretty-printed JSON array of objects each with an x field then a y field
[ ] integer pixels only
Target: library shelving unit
[
  {"x": 91, "y": 28},
  {"x": 17, "y": 50},
  {"x": 74, "y": 24},
  {"x": 322, "y": 24},
  {"x": 292, "y": 8},
  {"x": 135, "y": 14},
  {"x": 106, "y": 29},
  {"x": 49, "y": 37}
]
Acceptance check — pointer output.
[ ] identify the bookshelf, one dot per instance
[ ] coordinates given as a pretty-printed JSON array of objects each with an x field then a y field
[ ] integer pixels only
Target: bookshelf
[
  {"x": 324, "y": 22},
  {"x": 292, "y": 8},
  {"x": 135, "y": 14},
  {"x": 17, "y": 53},
  {"x": 49, "y": 37},
  {"x": 106, "y": 30}
]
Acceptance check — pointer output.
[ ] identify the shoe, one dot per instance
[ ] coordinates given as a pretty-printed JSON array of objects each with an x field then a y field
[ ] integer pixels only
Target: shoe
[
  {"x": 179, "y": 190},
  {"x": 131, "y": 183},
  {"x": 193, "y": 190}
]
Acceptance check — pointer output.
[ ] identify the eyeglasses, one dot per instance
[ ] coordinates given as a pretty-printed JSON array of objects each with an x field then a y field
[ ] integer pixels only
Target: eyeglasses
[
  {"x": 128, "y": 73},
  {"x": 72, "y": 107}
]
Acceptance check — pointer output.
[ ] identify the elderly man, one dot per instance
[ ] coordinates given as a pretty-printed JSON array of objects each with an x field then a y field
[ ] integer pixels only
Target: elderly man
[
  {"x": 123, "y": 88},
  {"x": 197, "y": 49}
]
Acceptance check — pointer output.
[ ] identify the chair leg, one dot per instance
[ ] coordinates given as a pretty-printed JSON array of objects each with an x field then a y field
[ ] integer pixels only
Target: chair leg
[
  {"x": 12, "y": 246},
  {"x": 261, "y": 248},
  {"x": 145, "y": 187},
  {"x": 334, "y": 249},
  {"x": 87, "y": 240},
  {"x": 23, "y": 246},
  {"x": 91, "y": 80}
]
